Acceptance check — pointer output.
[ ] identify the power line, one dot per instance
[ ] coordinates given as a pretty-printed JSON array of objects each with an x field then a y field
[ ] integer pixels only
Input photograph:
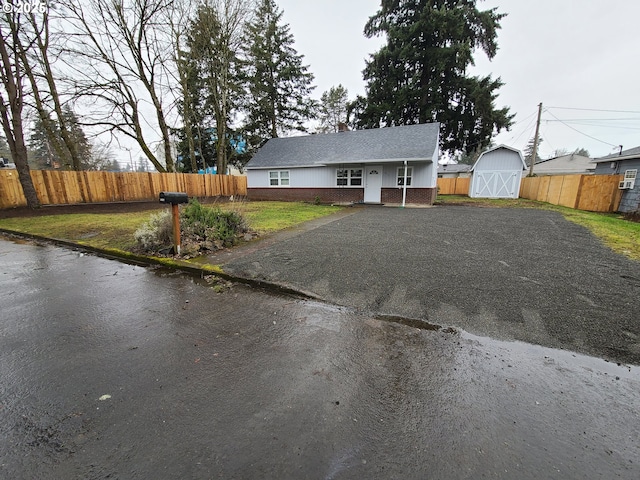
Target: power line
[
  {"x": 595, "y": 110},
  {"x": 590, "y": 124},
  {"x": 581, "y": 133},
  {"x": 601, "y": 119},
  {"x": 513, "y": 138}
]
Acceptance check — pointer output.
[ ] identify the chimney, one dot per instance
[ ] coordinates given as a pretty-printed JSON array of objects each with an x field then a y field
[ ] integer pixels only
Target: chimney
[{"x": 343, "y": 127}]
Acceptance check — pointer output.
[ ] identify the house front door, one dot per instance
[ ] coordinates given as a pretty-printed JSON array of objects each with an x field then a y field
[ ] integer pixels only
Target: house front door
[{"x": 373, "y": 183}]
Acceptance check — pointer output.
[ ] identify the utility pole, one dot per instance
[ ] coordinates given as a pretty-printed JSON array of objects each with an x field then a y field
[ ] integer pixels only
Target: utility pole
[{"x": 535, "y": 141}]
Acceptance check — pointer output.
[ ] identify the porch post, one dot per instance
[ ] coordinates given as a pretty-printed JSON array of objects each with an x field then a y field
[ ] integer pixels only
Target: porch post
[{"x": 404, "y": 185}]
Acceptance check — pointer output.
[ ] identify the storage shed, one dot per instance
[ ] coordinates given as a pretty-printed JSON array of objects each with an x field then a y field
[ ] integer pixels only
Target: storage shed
[{"x": 497, "y": 173}]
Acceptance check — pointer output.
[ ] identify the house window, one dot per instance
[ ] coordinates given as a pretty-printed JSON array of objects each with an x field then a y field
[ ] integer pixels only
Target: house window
[
  {"x": 279, "y": 178},
  {"x": 401, "y": 175},
  {"x": 349, "y": 177}
]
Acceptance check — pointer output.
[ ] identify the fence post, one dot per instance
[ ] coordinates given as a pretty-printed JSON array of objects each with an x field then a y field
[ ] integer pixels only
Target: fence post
[{"x": 579, "y": 194}]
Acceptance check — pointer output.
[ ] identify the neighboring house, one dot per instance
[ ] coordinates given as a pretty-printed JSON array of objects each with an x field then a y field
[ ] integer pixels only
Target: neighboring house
[
  {"x": 625, "y": 163},
  {"x": 497, "y": 173},
  {"x": 564, "y": 165},
  {"x": 454, "y": 170},
  {"x": 360, "y": 166}
]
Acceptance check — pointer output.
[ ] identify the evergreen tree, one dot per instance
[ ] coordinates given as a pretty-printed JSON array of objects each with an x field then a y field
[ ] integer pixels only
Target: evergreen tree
[
  {"x": 528, "y": 151},
  {"x": 279, "y": 84},
  {"x": 4, "y": 148},
  {"x": 43, "y": 153},
  {"x": 213, "y": 48},
  {"x": 205, "y": 152},
  {"x": 333, "y": 109},
  {"x": 419, "y": 76}
]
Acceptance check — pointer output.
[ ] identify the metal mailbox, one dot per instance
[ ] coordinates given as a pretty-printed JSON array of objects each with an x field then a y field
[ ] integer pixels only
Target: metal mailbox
[{"x": 173, "y": 198}]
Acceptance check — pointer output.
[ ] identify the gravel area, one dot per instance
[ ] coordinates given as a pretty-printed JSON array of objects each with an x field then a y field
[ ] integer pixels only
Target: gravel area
[{"x": 512, "y": 274}]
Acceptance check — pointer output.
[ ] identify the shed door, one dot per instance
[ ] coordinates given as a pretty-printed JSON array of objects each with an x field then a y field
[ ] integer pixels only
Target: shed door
[
  {"x": 497, "y": 184},
  {"x": 373, "y": 183}
]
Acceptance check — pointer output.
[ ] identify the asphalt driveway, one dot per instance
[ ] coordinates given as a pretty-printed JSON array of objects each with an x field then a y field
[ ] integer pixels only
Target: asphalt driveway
[{"x": 513, "y": 274}]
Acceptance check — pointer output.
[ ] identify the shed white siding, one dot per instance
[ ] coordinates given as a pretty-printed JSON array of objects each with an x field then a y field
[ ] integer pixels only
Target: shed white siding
[{"x": 497, "y": 174}]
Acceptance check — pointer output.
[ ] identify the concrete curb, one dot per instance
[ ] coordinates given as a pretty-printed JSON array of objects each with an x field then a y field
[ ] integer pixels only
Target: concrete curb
[{"x": 177, "y": 265}]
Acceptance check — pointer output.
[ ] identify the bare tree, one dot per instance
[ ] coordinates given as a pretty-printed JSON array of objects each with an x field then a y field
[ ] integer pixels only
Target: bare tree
[
  {"x": 40, "y": 57},
  {"x": 12, "y": 106},
  {"x": 120, "y": 52}
]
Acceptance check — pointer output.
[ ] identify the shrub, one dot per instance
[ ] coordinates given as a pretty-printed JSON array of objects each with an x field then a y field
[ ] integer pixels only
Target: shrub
[
  {"x": 202, "y": 228},
  {"x": 155, "y": 234},
  {"x": 211, "y": 224}
]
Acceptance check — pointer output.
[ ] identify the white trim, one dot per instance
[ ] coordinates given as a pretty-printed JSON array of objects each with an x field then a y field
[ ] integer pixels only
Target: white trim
[
  {"x": 377, "y": 161},
  {"x": 350, "y": 177},
  {"x": 279, "y": 172},
  {"x": 284, "y": 167},
  {"x": 370, "y": 189},
  {"x": 405, "y": 175}
]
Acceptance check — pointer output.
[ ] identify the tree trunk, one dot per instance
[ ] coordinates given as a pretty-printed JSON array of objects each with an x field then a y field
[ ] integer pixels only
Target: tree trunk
[{"x": 11, "y": 115}]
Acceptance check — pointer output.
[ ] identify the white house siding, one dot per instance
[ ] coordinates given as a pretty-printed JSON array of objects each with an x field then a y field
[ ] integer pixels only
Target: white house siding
[
  {"x": 298, "y": 177},
  {"x": 422, "y": 175},
  {"x": 325, "y": 177}
]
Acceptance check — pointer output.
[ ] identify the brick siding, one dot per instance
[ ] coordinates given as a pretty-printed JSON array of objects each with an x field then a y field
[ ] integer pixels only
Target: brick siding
[
  {"x": 425, "y": 196},
  {"x": 422, "y": 196},
  {"x": 326, "y": 195}
]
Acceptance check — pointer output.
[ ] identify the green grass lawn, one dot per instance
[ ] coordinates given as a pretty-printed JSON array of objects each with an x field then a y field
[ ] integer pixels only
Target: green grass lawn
[
  {"x": 622, "y": 236},
  {"x": 266, "y": 217},
  {"x": 115, "y": 231}
]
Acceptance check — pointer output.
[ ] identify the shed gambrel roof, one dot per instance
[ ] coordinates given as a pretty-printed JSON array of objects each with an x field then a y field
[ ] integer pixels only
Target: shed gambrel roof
[
  {"x": 409, "y": 142},
  {"x": 500, "y": 147}
]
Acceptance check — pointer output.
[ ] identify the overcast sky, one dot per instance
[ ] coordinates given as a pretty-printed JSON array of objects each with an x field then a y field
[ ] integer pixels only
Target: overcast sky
[{"x": 582, "y": 55}]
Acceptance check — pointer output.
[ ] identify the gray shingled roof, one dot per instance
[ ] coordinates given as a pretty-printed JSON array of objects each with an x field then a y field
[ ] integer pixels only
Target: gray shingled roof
[
  {"x": 631, "y": 152},
  {"x": 454, "y": 168},
  {"x": 410, "y": 142}
]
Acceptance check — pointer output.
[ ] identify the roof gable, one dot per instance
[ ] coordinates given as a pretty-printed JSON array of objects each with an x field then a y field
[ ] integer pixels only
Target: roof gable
[{"x": 409, "y": 142}]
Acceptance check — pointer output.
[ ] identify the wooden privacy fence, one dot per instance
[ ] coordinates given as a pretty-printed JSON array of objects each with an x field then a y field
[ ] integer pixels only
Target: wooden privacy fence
[
  {"x": 595, "y": 193},
  {"x": 69, "y": 187},
  {"x": 453, "y": 186}
]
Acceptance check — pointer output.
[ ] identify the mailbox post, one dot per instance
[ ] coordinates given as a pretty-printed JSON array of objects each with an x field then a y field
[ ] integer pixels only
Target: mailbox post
[{"x": 175, "y": 198}]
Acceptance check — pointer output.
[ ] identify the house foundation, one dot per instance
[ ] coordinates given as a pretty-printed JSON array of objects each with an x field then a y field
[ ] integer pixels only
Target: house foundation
[{"x": 423, "y": 196}]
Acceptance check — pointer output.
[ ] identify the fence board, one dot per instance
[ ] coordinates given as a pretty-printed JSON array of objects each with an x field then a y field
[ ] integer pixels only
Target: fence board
[
  {"x": 454, "y": 186},
  {"x": 600, "y": 193},
  {"x": 596, "y": 193},
  {"x": 69, "y": 187},
  {"x": 11, "y": 194}
]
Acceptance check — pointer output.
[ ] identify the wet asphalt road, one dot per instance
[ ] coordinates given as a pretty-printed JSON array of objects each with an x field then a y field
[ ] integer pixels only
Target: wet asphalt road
[
  {"x": 114, "y": 371},
  {"x": 520, "y": 274}
]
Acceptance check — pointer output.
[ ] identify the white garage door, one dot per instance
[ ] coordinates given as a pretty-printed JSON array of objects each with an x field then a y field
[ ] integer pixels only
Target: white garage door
[{"x": 497, "y": 184}]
